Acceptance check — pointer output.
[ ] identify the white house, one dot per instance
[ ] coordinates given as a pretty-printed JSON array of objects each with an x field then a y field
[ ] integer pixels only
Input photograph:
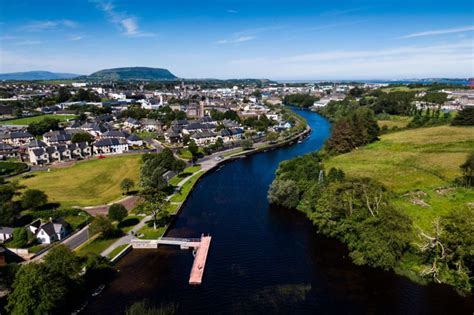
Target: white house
[
  {"x": 110, "y": 146},
  {"x": 49, "y": 232},
  {"x": 5, "y": 233}
]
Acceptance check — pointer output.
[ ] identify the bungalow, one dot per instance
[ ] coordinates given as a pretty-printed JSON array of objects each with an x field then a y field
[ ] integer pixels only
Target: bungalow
[
  {"x": 151, "y": 124},
  {"x": 135, "y": 140},
  {"x": 18, "y": 138},
  {"x": 173, "y": 135},
  {"x": 282, "y": 126},
  {"x": 110, "y": 146},
  {"x": 92, "y": 128},
  {"x": 7, "y": 151},
  {"x": 115, "y": 134},
  {"x": 204, "y": 137},
  {"x": 57, "y": 137},
  {"x": 131, "y": 123},
  {"x": 229, "y": 135},
  {"x": 194, "y": 127},
  {"x": 5, "y": 233},
  {"x": 51, "y": 231}
]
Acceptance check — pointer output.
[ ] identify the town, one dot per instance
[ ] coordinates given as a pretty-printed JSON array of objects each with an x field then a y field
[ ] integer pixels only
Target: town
[{"x": 163, "y": 136}]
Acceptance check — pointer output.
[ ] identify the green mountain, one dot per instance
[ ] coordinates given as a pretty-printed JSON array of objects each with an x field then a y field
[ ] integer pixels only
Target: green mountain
[{"x": 132, "y": 73}]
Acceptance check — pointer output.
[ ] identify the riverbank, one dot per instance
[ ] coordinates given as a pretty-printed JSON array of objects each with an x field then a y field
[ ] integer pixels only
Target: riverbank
[
  {"x": 185, "y": 187},
  {"x": 405, "y": 181}
]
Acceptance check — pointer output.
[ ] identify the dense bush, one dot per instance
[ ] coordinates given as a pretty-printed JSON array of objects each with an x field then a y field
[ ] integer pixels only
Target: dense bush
[
  {"x": 12, "y": 168},
  {"x": 464, "y": 118}
]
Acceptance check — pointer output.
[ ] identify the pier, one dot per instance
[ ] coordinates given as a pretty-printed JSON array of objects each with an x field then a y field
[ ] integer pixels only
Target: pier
[{"x": 200, "y": 248}]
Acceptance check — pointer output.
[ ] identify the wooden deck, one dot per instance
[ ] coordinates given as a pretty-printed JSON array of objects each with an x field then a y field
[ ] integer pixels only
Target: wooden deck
[{"x": 197, "y": 271}]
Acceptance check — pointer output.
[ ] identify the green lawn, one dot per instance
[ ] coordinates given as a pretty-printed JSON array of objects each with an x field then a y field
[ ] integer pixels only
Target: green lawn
[
  {"x": 35, "y": 119},
  {"x": 116, "y": 251},
  {"x": 394, "y": 121},
  {"x": 425, "y": 159},
  {"x": 186, "y": 188},
  {"x": 87, "y": 183},
  {"x": 150, "y": 233},
  {"x": 185, "y": 173},
  {"x": 185, "y": 154},
  {"x": 128, "y": 223},
  {"x": 403, "y": 89},
  {"x": 95, "y": 246}
]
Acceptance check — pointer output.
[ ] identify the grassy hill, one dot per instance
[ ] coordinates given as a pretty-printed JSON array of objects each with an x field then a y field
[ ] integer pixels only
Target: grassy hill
[
  {"x": 87, "y": 183},
  {"x": 133, "y": 73},
  {"x": 37, "y": 75},
  {"x": 35, "y": 119},
  {"x": 419, "y": 165}
]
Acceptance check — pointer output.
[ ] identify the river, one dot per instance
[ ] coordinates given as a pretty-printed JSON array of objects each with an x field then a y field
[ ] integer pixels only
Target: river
[{"x": 264, "y": 259}]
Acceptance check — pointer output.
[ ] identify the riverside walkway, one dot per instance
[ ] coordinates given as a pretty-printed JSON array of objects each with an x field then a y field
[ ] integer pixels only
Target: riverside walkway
[{"x": 200, "y": 248}]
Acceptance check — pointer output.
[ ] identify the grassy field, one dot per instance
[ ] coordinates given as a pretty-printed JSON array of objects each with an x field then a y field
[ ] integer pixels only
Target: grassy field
[
  {"x": 87, "y": 183},
  {"x": 394, "y": 121},
  {"x": 97, "y": 244},
  {"x": 35, "y": 119},
  {"x": 186, "y": 188},
  {"x": 403, "y": 89},
  {"x": 417, "y": 164},
  {"x": 187, "y": 171},
  {"x": 150, "y": 233}
]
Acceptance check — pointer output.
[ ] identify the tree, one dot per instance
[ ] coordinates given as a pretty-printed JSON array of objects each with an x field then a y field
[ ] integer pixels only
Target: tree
[
  {"x": 63, "y": 95},
  {"x": 101, "y": 224},
  {"x": 43, "y": 126},
  {"x": 33, "y": 199},
  {"x": 464, "y": 118},
  {"x": 284, "y": 193},
  {"x": 36, "y": 290},
  {"x": 22, "y": 237},
  {"x": 193, "y": 148},
  {"x": 272, "y": 136},
  {"x": 219, "y": 143},
  {"x": 117, "y": 212},
  {"x": 62, "y": 260},
  {"x": 246, "y": 144},
  {"x": 126, "y": 184},
  {"x": 467, "y": 169},
  {"x": 82, "y": 137}
]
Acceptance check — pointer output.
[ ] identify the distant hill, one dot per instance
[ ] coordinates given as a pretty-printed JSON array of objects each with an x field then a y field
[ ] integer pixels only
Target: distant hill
[
  {"x": 133, "y": 73},
  {"x": 36, "y": 75}
]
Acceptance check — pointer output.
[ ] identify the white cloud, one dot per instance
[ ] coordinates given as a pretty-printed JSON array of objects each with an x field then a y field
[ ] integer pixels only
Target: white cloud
[
  {"x": 232, "y": 11},
  {"x": 441, "y": 32},
  {"x": 236, "y": 40},
  {"x": 407, "y": 61},
  {"x": 75, "y": 37},
  {"x": 38, "y": 26},
  {"x": 127, "y": 24}
]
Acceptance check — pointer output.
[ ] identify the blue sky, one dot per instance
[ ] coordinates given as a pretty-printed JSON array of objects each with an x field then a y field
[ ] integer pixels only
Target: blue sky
[{"x": 290, "y": 39}]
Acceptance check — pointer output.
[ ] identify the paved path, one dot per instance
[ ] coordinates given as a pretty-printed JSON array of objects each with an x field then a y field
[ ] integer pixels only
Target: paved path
[
  {"x": 127, "y": 237},
  {"x": 128, "y": 202}
]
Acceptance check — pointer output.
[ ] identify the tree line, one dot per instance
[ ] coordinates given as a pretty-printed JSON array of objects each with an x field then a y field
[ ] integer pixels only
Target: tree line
[{"x": 360, "y": 212}]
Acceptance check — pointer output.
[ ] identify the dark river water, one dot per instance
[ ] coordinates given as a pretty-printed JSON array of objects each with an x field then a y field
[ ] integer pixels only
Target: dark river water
[{"x": 264, "y": 259}]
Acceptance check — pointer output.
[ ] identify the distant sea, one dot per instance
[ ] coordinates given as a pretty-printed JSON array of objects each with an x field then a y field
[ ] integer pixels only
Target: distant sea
[{"x": 401, "y": 81}]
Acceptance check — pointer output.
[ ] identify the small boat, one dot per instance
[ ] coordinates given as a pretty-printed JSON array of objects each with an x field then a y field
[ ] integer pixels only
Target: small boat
[
  {"x": 80, "y": 308},
  {"x": 98, "y": 290}
]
